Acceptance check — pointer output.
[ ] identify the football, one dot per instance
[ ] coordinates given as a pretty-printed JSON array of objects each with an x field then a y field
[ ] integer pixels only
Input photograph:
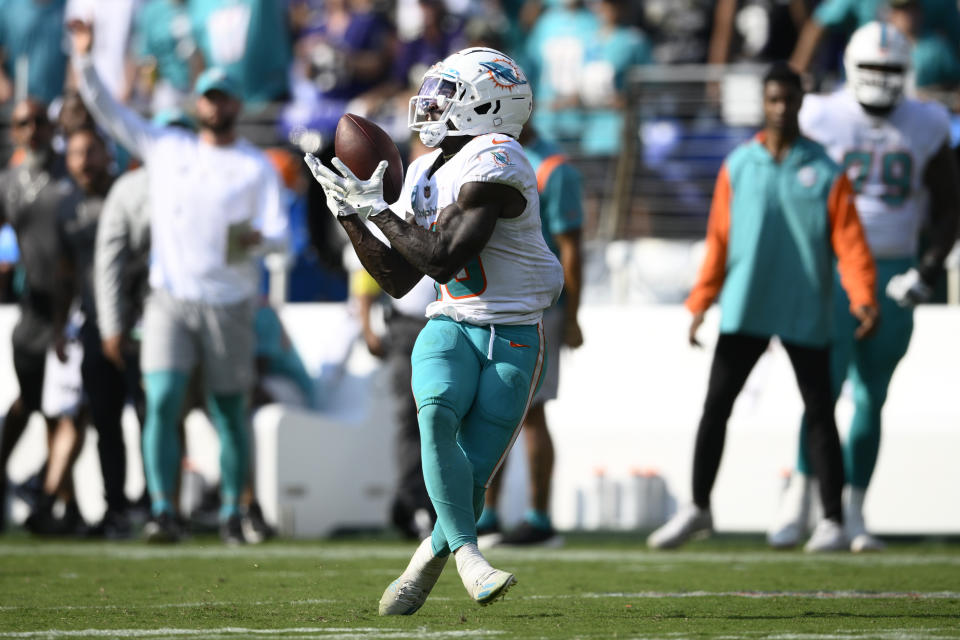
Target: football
[{"x": 361, "y": 145}]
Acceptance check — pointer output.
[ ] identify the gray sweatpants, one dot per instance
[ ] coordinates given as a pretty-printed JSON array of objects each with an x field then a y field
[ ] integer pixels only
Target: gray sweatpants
[{"x": 179, "y": 334}]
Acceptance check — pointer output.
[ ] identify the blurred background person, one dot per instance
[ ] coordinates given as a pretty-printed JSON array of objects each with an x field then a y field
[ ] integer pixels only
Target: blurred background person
[
  {"x": 756, "y": 30},
  {"x": 250, "y": 40},
  {"x": 783, "y": 195},
  {"x": 88, "y": 162},
  {"x": 934, "y": 25},
  {"x": 344, "y": 50},
  {"x": 34, "y": 196},
  {"x": 410, "y": 509},
  {"x": 80, "y": 388},
  {"x": 166, "y": 55},
  {"x": 897, "y": 152},
  {"x": 556, "y": 50},
  {"x": 121, "y": 266},
  {"x": 31, "y": 43},
  {"x": 561, "y": 218},
  {"x": 113, "y": 20},
  {"x": 204, "y": 228}
]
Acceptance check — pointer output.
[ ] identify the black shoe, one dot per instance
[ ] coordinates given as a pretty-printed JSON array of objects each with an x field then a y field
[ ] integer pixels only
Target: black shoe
[
  {"x": 162, "y": 529},
  {"x": 115, "y": 525},
  {"x": 487, "y": 531},
  {"x": 31, "y": 489},
  {"x": 528, "y": 535},
  {"x": 255, "y": 528},
  {"x": 231, "y": 530}
]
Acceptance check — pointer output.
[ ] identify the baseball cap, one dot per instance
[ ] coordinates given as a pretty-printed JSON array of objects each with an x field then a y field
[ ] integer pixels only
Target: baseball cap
[
  {"x": 173, "y": 117},
  {"x": 216, "y": 79}
]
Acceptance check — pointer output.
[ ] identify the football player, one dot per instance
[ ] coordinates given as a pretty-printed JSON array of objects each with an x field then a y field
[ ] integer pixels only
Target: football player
[
  {"x": 472, "y": 223},
  {"x": 896, "y": 151}
]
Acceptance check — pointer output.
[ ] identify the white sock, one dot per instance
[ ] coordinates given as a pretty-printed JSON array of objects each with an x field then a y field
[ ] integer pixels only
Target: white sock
[
  {"x": 471, "y": 565},
  {"x": 424, "y": 562},
  {"x": 853, "y": 510}
]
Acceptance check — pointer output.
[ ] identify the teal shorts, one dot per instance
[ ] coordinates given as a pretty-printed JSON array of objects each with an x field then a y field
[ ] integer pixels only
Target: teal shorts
[{"x": 488, "y": 384}]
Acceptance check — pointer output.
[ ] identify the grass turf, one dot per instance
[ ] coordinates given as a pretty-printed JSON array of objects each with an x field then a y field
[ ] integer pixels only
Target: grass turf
[{"x": 595, "y": 587}]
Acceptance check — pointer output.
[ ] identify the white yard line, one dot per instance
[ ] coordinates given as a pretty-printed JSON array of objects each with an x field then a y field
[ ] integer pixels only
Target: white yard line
[
  {"x": 303, "y": 633},
  {"x": 816, "y": 595},
  {"x": 614, "y": 556},
  {"x": 170, "y": 605}
]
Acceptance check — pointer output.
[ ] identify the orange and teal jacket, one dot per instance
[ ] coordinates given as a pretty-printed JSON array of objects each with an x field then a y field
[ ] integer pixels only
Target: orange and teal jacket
[{"x": 773, "y": 233}]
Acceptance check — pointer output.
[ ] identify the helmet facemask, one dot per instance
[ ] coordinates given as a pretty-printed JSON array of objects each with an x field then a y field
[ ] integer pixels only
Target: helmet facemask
[
  {"x": 878, "y": 86},
  {"x": 429, "y": 110}
]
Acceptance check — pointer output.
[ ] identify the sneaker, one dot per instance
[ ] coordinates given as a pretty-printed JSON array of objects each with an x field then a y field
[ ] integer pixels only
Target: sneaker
[
  {"x": 231, "y": 530},
  {"x": 405, "y": 595},
  {"x": 688, "y": 523},
  {"x": 255, "y": 528},
  {"x": 527, "y": 535},
  {"x": 865, "y": 542},
  {"x": 828, "y": 536},
  {"x": 860, "y": 538},
  {"x": 115, "y": 525},
  {"x": 793, "y": 513},
  {"x": 162, "y": 529},
  {"x": 491, "y": 586}
]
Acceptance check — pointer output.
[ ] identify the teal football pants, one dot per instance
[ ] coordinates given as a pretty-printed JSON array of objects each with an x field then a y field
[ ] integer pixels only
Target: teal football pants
[
  {"x": 869, "y": 364},
  {"x": 472, "y": 385}
]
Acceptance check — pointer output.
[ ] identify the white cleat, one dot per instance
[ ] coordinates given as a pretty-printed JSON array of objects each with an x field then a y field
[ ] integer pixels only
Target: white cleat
[
  {"x": 792, "y": 515},
  {"x": 865, "y": 543},
  {"x": 860, "y": 538},
  {"x": 689, "y": 522},
  {"x": 491, "y": 586},
  {"x": 406, "y": 594},
  {"x": 404, "y": 597},
  {"x": 828, "y": 536}
]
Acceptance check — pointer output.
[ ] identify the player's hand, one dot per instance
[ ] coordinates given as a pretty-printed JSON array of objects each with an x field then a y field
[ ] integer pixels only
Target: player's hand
[
  {"x": 347, "y": 194},
  {"x": 112, "y": 348},
  {"x": 695, "y": 323},
  {"x": 908, "y": 289},
  {"x": 869, "y": 317},
  {"x": 572, "y": 334},
  {"x": 81, "y": 36}
]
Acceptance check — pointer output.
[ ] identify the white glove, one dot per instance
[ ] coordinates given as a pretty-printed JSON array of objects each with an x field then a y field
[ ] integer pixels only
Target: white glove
[
  {"x": 347, "y": 194},
  {"x": 908, "y": 289}
]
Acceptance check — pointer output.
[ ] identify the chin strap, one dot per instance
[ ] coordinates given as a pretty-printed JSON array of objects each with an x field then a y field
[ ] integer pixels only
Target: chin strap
[{"x": 431, "y": 135}]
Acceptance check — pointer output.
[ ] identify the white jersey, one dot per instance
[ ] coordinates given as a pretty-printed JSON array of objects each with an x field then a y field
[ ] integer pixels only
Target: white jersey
[
  {"x": 516, "y": 276},
  {"x": 885, "y": 159},
  {"x": 203, "y": 200}
]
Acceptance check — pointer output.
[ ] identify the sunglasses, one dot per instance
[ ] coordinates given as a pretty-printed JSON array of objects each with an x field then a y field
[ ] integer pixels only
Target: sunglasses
[{"x": 38, "y": 121}]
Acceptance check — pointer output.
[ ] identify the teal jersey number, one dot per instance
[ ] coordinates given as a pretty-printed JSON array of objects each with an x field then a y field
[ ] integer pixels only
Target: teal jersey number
[
  {"x": 896, "y": 173},
  {"x": 897, "y": 177},
  {"x": 472, "y": 283}
]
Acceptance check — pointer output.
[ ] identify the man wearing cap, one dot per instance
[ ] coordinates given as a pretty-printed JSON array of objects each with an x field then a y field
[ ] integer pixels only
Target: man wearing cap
[{"x": 214, "y": 199}]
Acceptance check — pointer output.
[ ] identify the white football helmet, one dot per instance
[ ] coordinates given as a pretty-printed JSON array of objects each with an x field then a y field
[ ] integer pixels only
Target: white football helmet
[
  {"x": 470, "y": 93},
  {"x": 876, "y": 60}
]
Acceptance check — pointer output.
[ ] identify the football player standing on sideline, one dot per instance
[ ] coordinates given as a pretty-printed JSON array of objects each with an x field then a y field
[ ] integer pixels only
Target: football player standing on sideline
[
  {"x": 782, "y": 209},
  {"x": 213, "y": 200},
  {"x": 896, "y": 152},
  {"x": 473, "y": 225}
]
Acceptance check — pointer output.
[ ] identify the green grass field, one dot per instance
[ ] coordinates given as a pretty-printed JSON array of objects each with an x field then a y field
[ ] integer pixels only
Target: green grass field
[{"x": 594, "y": 587}]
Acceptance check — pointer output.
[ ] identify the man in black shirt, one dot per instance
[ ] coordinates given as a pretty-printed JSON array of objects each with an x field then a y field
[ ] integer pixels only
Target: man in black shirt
[{"x": 31, "y": 198}]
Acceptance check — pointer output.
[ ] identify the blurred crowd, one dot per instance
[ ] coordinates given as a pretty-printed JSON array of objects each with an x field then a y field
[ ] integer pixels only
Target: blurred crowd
[{"x": 297, "y": 66}]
